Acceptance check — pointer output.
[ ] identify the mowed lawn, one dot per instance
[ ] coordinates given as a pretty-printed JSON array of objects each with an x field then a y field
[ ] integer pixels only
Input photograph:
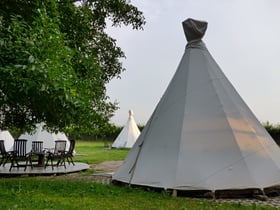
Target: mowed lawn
[
  {"x": 92, "y": 152},
  {"x": 59, "y": 193}
]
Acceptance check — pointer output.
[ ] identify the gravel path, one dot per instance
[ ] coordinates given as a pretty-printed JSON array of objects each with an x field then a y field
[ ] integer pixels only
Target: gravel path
[
  {"x": 273, "y": 202},
  {"x": 108, "y": 166}
]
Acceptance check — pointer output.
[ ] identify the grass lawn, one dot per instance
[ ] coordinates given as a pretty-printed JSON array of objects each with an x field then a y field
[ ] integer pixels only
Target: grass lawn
[
  {"x": 93, "y": 152},
  {"x": 59, "y": 193}
]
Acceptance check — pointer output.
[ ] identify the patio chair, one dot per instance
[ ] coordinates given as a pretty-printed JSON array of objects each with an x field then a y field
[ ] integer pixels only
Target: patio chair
[
  {"x": 70, "y": 153},
  {"x": 37, "y": 153},
  {"x": 19, "y": 154},
  {"x": 5, "y": 156},
  {"x": 58, "y": 154}
]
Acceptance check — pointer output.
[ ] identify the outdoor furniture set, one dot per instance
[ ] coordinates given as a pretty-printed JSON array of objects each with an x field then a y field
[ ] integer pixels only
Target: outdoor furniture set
[{"x": 38, "y": 156}]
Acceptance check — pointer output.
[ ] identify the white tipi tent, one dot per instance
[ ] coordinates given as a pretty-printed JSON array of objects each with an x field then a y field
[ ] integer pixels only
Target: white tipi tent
[
  {"x": 128, "y": 135},
  {"x": 8, "y": 139},
  {"x": 48, "y": 138},
  {"x": 202, "y": 135}
]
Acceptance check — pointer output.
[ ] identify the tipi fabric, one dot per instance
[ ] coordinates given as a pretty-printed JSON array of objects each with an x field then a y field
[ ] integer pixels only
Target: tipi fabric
[
  {"x": 8, "y": 139},
  {"x": 48, "y": 138},
  {"x": 128, "y": 134},
  {"x": 202, "y": 135}
]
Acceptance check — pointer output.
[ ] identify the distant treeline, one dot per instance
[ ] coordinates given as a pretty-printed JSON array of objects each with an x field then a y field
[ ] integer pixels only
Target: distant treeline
[
  {"x": 112, "y": 131},
  {"x": 109, "y": 133},
  {"x": 274, "y": 131}
]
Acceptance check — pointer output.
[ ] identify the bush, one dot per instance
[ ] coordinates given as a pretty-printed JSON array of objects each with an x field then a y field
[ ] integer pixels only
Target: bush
[{"x": 274, "y": 131}]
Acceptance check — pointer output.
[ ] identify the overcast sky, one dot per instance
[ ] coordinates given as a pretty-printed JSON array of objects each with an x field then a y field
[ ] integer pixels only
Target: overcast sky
[{"x": 243, "y": 36}]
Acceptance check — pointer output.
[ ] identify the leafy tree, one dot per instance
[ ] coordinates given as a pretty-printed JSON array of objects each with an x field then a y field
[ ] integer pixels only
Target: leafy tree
[{"x": 55, "y": 60}]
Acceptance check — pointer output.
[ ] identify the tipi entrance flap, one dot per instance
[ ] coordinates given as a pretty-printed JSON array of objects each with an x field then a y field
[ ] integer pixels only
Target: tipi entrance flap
[{"x": 202, "y": 135}]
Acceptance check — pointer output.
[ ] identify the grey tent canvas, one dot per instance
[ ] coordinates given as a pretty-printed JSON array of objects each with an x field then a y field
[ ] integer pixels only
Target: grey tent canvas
[{"x": 201, "y": 135}]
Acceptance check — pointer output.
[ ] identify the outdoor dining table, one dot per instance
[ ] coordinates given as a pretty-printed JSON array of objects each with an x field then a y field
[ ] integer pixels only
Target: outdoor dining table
[
  {"x": 42, "y": 156},
  {"x": 41, "y": 159},
  {"x": 38, "y": 151}
]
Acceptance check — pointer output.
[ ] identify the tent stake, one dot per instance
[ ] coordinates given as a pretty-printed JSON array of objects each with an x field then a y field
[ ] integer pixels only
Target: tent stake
[{"x": 262, "y": 197}]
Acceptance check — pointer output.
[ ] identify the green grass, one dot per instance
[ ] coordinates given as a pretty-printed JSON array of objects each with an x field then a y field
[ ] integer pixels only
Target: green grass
[
  {"x": 61, "y": 193},
  {"x": 94, "y": 152},
  {"x": 34, "y": 193}
]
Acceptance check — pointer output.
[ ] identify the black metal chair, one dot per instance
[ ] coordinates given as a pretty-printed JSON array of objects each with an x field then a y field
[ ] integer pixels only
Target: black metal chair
[
  {"x": 58, "y": 154},
  {"x": 5, "y": 156},
  {"x": 37, "y": 153},
  {"x": 19, "y": 154},
  {"x": 70, "y": 153}
]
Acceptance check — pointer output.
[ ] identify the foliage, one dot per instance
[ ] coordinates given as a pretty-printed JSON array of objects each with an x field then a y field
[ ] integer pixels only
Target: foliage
[
  {"x": 108, "y": 131},
  {"x": 274, "y": 131},
  {"x": 112, "y": 131},
  {"x": 39, "y": 80},
  {"x": 272, "y": 128},
  {"x": 55, "y": 60}
]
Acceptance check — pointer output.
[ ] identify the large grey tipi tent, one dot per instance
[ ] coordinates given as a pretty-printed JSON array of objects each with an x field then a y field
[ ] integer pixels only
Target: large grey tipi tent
[
  {"x": 202, "y": 135},
  {"x": 128, "y": 135}
]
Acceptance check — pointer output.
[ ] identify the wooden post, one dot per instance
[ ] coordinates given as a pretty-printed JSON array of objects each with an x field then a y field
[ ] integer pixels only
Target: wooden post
[{"x": 174, "y": 193}]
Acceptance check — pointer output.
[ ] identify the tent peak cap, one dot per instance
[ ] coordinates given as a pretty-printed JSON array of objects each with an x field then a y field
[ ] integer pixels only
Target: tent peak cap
[{"x": 194, "y": 29}]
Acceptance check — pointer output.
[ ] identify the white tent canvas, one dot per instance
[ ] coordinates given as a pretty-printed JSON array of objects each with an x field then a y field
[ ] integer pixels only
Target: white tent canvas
[
  {"x": 128, "y": 134},
  {"x": 48, "y": 138},
  {"x": 202, "y": 135},
  {"x": 8, "y": 139}
]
